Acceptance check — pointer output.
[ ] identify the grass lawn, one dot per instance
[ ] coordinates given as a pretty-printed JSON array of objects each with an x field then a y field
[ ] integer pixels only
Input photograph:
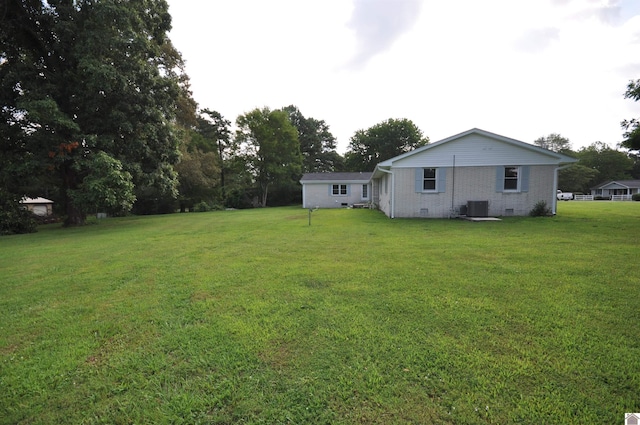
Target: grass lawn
[{"x": 255, "y": 317}]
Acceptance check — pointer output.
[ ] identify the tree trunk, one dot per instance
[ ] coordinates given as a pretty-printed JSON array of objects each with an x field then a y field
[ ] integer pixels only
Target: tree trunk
[
  {"x": 220, "y": 155},
  {"x": 224, "y": 194},
  {"x": 74, "y": 216},
  {"x": 265, "y": 191}
]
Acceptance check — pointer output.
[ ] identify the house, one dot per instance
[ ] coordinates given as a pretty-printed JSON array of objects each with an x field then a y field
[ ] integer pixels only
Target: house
[
  {"x": 39, "y": 206},
  {"x": 620, "y": 189},
  {"x": 335, "y": 190},
  {"x": 475, "y": 173}
]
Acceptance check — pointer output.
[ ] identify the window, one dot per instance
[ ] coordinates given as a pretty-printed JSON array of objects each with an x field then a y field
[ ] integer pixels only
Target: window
[
  {"x": 339, "y": 190},
  {"x": 511, "y": 178},
  {"x": 429, "y": 179},
  {"x": 365, "y": 191}
]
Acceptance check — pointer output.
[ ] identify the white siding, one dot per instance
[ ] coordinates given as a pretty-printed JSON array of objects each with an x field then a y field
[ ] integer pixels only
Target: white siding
[
  {"x": 475, "y": 150},
  {"x": 382, "y": 190}
]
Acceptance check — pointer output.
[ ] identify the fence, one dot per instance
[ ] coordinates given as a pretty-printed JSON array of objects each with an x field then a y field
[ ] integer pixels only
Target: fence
[{"x": 612, "y": 197}]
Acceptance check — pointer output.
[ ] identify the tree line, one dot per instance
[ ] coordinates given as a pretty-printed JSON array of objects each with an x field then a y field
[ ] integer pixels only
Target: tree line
[
  {"x": 97, "y": 114},
  {"x": 261, "y": 162},
  {"x": 598, "y": 163}
]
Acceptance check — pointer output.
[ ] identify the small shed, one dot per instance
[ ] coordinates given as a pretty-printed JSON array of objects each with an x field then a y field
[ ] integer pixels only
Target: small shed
[{"x": 41, "y": 207}]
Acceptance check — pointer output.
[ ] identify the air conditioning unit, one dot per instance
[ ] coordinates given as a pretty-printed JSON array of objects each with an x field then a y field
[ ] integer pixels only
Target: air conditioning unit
[{"x": 477, "y": 208}]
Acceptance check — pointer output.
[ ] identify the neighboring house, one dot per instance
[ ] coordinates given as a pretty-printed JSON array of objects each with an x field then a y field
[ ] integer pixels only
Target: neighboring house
[
  {"x": 475, "y": 173},
  {"x": 335, "y": 190},
  {"x": 39, "y": 206},
  {"x": 626, "y": 188}
]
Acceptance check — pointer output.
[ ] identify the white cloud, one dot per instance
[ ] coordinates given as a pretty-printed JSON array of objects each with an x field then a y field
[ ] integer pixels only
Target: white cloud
[
  {"x": 378, "y": 23},
  {"x": 522, "y": 69},
  {"x": 536, "y": 40}
]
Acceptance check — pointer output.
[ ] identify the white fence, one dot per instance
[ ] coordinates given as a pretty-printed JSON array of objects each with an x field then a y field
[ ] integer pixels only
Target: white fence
[
  {"x": 613, "y": 197},
  {"x": 583, "y": 197}
]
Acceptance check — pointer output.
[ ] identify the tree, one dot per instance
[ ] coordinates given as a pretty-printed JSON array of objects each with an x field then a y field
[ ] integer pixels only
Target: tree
[
  {"x": 609, "y": 164},
  {"x": 269, "y": 144},
  {"x": 199, "y": 176},
  {"x": 13, "y": 218},
  {"x": 381, "y": 142},
  {"x": 88, "y": 82},
  {"x": 554, "y": 142},
  {"x": 317, "y": 144},
  {"x": 576, "y": 178},
  {"x": 215, "y": 132},
  {"x": 106, "y": 186},
  {"x": 635, "y": 171},
  {"x": 632, "y": 127}
]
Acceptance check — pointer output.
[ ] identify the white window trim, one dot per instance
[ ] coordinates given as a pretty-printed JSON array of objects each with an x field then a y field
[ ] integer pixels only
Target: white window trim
[
  {"x": 435, "y": 180},
  {"x": 518, "y": 179},
  {"x": 340, "y": 194}
]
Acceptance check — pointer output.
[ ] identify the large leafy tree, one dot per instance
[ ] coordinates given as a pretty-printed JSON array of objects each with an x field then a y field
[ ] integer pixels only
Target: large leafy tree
[
  {"x": 608, "y": 163},
  {"x": 554, "y": 142},
  {"x": 574, "y": 178},
  {"x": 381, "y": 142},
  {"x": 632, "y": 127},
  {"x": 215, "y": 132},
  {"x": 268, "y": 143},
  {"x": 317, "y": 144},
  {"x": 577, "y": 178},
  {"x": 205, "y": 151},
  {"x": 91, "y": 92},
  {"x": 198, "y": 174}
]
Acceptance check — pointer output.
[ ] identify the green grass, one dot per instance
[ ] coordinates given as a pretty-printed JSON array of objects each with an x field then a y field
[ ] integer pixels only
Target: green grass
[{"x": 255, "y": 317}]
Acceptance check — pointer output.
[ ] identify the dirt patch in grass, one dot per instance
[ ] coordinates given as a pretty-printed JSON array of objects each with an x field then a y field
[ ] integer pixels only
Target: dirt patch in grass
[
  {"x": 9, "y": 349},
  {"x": 200, "y": 296},
  {"x": 277, "y": 356}
]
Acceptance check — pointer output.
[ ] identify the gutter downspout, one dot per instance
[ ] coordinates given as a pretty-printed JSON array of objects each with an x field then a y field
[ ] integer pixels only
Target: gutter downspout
[
  {"x": 393, "y": 193},
  {"x": 555, "y": 187}
]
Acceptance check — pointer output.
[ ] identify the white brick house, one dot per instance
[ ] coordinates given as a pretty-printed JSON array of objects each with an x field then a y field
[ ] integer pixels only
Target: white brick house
[{"x": 498, "y": 175}]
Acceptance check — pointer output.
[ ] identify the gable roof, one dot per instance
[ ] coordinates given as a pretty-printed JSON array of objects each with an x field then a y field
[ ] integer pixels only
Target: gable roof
[
  {"x": 554, "y": 157},
  {"x": 342, "y": 177},
  {"x": 625, "y": 183}
]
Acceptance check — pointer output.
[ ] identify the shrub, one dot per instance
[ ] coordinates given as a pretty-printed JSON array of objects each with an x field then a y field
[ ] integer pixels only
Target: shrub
[
  {"x": 540, "y": 209},
  {"x": 13, "y": 218},
  {"x": 201, "y": 207},
  {"x": 635, "y": 197}
]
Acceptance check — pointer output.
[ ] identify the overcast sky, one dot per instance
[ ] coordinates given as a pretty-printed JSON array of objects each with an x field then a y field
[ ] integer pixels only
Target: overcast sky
[{"x": 522, "y": 69}]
